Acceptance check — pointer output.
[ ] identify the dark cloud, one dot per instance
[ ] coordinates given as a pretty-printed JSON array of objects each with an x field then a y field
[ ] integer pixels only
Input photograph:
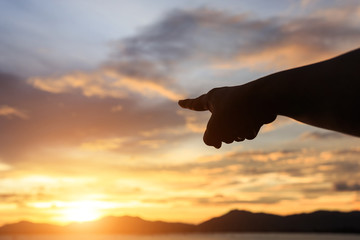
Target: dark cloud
[
  {"x": 343, "y": 186},
  {"x": 218, "y": 200},
  {"x": 309, "y": 190},
  {"x": 348, "y": 151},
  {"x": 347, "y": 166},
  {"x": 244, "y": 163},
  {"x": 249, "y": 163},
  {"x": 227, "y": 201},
  {"x": 321, "y": 135},
  {"x": 211, "y": 35},
  {"x": 227, "y": 171}
]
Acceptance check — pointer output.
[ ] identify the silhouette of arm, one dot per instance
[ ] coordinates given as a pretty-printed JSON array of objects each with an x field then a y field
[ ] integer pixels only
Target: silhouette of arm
[{"x": 324, "y": 94}]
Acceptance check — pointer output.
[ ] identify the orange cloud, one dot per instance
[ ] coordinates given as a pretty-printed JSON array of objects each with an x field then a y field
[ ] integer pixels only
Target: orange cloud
[
  {"x": 10, "y": 112},
  {"x": 152, "y": 143},
  {"x": 287, "y": 55},
  {"x": 90, "y": 84},
  {"x": 103, "y": 84},
  {"x": 116, "y": 108},
  {"x": 103, "y": 144},
  {"x": 146, "y": 87}
]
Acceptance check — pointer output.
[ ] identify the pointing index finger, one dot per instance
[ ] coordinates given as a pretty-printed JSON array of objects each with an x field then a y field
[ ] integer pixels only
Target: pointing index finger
[{"x": 196, "y": 104}]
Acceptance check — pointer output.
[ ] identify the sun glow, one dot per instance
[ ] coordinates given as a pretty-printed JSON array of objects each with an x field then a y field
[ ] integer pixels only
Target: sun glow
[{"x": 81, "y": 212}]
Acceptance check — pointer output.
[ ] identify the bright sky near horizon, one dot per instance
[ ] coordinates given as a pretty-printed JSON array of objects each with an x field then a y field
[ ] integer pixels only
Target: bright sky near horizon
[{"x": 89, "y": 122}]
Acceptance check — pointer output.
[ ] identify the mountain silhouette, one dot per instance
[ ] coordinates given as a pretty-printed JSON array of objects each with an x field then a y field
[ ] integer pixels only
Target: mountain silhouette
[
  {"x": 128, "y": 225},
  {"x": 319, "y": 221},
  {"x": 25, "y": 227},
  {"x": 233, "y": 221}
]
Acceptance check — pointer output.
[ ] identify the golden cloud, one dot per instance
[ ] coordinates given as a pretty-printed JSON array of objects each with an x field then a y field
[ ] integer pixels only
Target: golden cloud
[
  {"x": 103, "y": 144},
  {"x": 103, "y": 83},
  {"x": 8, "y": 111}
]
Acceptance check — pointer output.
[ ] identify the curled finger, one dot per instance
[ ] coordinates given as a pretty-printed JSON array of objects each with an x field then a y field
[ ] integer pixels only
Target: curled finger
[{"x": 211, "y": 135}]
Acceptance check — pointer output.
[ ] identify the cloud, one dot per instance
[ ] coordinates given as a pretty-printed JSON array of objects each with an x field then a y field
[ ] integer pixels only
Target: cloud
[
  {"x": 343, "y": 186},
  {"x": 354, "y": 151},
  {"x": 154, "y": 144},
  {"x": 70, "y": 119},
  {"x": 231, "y": 200},
  {"x": 316, "y": 135},
  {"x": 102, "y": 84},
  {"x": 151, "y": 61},
  {"x": 4, "y": 166},
  {"x": 103, "y": 144},
  {"x": 155, "y": 62},
  {"x": 22, "y": 197},
  {"x": 243, "y": 163},
  {"x": 217, "y": 200},
  {"x": 10, "y": 112},
  {"x": 116, "y": 108},
  {"x": 213, "y": 36},
  {"x": 308, "y": 171}
]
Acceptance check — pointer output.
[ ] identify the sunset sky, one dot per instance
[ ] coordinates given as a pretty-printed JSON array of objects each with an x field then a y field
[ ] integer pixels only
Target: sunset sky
[{"x": 89, "y": 121}]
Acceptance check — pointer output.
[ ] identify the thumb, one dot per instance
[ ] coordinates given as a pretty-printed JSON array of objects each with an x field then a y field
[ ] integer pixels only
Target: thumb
[{"x": 196, "y": 104}]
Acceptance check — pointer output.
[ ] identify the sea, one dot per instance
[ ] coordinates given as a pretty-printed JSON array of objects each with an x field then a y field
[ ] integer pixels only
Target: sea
[{"x": 226, "y": 236}]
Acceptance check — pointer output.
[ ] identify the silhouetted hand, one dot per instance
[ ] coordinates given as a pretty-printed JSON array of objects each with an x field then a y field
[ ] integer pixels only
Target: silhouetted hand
[
  {"x": 237, "y": 114},
  {"x": 324, "y": 94}
]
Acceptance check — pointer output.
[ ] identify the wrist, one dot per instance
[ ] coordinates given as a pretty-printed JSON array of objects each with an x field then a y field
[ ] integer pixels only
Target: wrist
[{"x": 266, "y": 100}]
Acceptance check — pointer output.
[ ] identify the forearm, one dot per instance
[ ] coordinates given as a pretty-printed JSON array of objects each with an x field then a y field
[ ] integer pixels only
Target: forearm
[{"x": 325, "y": 94}]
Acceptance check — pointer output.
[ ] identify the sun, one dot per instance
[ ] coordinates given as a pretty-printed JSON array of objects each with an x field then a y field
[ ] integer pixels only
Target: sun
[{"x": 83, "y": 211}]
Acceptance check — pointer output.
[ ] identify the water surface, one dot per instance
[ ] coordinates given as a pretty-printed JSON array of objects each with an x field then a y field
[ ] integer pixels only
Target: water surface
[{"x": 226, "y": 236}]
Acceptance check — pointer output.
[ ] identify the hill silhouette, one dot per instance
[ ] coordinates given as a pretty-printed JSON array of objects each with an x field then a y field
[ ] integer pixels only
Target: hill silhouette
[
  {"x": 128, "y": 225},
  {"x": 233, "y": 221},
  {"x": 319, "y": 221}
]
